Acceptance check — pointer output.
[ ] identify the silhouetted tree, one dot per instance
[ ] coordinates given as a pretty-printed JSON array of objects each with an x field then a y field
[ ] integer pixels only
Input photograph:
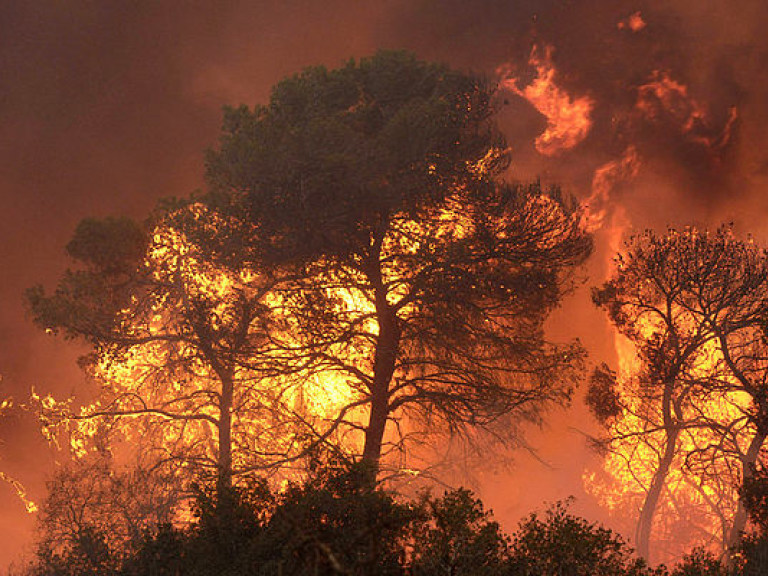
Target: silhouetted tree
[
  {"x": 93, "y": 500},
  {"x": 693, "y": 303},
  {"x": 188, "y": 348},
  {"x": 456, "y": 535},
  {"x": 425, "y": 280},
  {"x": 335, "y": 523},
  {"x": 700, "y": 562}
]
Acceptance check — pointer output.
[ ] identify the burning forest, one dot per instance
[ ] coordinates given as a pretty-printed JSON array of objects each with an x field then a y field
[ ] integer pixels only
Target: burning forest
[{"x": 432, "y": 259}]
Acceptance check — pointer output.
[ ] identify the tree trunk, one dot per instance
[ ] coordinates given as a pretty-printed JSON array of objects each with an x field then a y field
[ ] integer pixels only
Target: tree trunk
[
  {"x": 385, "y": 358},
  {"x": 747, "y": 463},
  {"x": 387, "y": 343},
  {"x": 645, "y": 522},
  {"x": 224, "y": 479}
]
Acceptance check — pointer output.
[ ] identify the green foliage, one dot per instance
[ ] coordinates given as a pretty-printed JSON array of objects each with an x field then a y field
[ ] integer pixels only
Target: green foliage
[{"x": 334, "y": 150}]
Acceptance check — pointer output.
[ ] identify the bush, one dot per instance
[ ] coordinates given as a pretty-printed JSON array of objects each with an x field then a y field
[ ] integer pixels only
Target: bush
[
  {"x": 562, "y": 544},
  {"x": 456, "y": 535}
]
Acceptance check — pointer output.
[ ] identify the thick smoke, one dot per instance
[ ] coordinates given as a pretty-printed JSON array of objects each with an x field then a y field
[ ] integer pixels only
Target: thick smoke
[{"x": 107, "y": 106}]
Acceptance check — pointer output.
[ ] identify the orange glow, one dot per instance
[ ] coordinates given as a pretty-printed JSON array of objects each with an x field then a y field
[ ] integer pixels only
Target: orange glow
[
  {"x": 633, "y": 22},
  {"x": 568, "y": 118},
  {"x": 700, "y": 496}
]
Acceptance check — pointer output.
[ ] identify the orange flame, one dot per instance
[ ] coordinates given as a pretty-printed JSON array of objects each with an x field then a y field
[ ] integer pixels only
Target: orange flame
[
  {"x": 633, "y": 23},
  {"x": 606, "y": 178},
  {"x": 568, "y": 118},
  {"x": 662, "y": 96}
]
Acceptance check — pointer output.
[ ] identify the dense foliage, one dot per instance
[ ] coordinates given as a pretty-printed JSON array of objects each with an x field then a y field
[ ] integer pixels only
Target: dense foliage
[
  {"x": 383, "y": 178},
  {"x": 337, "y": 523}
]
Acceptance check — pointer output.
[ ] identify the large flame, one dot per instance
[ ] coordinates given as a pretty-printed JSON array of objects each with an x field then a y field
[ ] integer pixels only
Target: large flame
[{"x": 568, "y": 117}]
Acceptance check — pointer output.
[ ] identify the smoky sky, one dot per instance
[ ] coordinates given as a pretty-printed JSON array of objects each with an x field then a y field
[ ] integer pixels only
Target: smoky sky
[{"x": 107, "y": 106}]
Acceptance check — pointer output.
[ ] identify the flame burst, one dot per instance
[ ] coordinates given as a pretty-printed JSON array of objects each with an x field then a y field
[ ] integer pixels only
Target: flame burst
[
  {"x": 568, "y": 118},
  {"x": 634, "y": 22},
  {"x": 604, "y": 181}
]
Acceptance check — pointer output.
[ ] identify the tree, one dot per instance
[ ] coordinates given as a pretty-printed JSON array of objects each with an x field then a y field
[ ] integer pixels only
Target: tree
[
  {"x": 693, "y": 304},
  {"x": 188, "y": 347},
  {"x": 334, "y": 523},
  {"x": 456, "y": 535},
  {"x": 424, "y": 280},
  {"x": 94, "y": 504}
]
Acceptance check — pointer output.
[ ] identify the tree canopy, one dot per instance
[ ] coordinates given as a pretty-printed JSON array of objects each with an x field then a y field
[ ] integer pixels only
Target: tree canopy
[{"x": 425, "y": 279}]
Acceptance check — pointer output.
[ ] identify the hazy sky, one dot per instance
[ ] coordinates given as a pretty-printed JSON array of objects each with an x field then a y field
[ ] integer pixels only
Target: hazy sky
[{"x": 107, "y": 106}]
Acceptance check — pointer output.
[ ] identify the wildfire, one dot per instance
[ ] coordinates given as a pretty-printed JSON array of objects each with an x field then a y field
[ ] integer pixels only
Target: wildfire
[
  {"x": 568, "y": 118},
  {"x": 606, "y": 178},
  {"x": 168, "y": 395},
  {"x": 700, "y": 496}
]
